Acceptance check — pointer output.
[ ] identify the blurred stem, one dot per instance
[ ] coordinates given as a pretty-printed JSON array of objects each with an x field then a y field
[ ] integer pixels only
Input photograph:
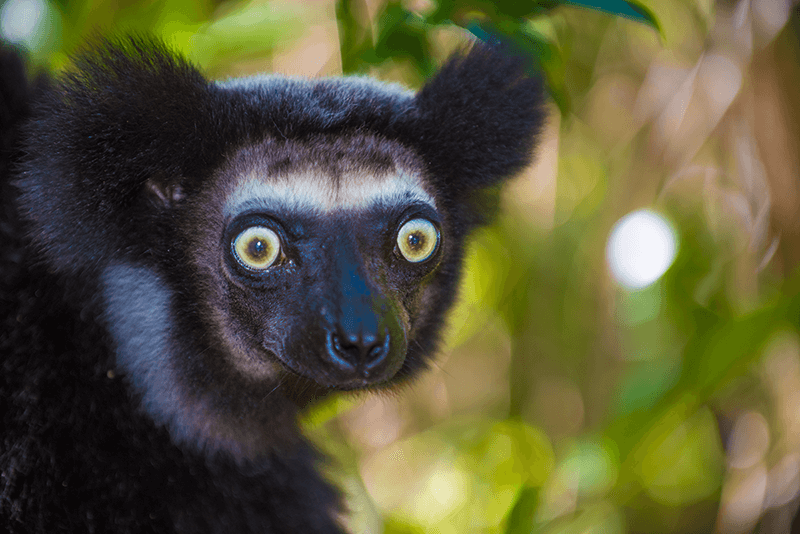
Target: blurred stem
[
  {"x": 519, "y": 382},
  {"x": 355, "y": 33},
  {"x": 776, "y": 115}
]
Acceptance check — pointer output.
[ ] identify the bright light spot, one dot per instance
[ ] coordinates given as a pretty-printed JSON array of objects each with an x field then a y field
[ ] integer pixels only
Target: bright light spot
[
  {"x": 640, "y": 249},
  {"x": 21, "y": 20},
  {"x": 446, "y": 486}
]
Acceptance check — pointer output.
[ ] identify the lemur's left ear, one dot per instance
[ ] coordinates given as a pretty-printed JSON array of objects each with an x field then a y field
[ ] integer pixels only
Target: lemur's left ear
[{"x": 479, "y": 118}]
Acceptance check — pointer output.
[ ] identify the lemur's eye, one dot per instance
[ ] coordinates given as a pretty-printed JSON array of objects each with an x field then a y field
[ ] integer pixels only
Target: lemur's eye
[
  {"x": 257, "y": 248},
  {"x": 417, "y": 240}
]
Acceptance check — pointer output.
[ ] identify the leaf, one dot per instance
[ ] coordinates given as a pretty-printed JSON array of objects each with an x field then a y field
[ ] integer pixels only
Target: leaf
[
  {"x": 628, "y": 9},
  {"x": 521, "y": 517},
  {"x": 462, "y": 12},
  {"x": 403, "y": 34},
  {"x": 355, "y": 35}
]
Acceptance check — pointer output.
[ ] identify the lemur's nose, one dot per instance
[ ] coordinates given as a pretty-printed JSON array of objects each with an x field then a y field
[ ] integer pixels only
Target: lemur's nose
[{"x": 358, "y": 352}]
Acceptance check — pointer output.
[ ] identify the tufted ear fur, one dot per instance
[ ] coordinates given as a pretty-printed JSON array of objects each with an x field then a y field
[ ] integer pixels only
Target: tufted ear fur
[
  {"x": 479, "y": 120},
  {"x": 128, "y": 112}
]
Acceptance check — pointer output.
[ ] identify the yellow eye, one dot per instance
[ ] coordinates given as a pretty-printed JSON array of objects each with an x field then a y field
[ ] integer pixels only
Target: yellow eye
[
  {"x": 417, "y": 240},
  {"x": 257, "y": 248}
]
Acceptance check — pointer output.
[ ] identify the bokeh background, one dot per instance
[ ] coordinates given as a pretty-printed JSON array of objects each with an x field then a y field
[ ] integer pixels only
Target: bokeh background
[{"x": 625, "y": 356}]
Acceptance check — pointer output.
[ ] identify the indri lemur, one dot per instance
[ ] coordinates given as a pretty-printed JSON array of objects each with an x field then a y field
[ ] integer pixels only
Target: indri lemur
[{"x": 186, "y": 263}]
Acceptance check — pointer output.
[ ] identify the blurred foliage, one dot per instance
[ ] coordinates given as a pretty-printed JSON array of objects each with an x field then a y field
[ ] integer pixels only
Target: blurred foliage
[
  {"x": 401, "y": 32},
  {"x": 564, "y": 402}
]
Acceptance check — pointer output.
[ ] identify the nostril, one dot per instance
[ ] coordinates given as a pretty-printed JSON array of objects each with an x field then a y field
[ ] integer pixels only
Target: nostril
[
  {"x": 377, "y": 353},
  {"x": 348, "y": 347},
  {"x": 363, "y": 352},
  {"x": 340, "y": 353}
]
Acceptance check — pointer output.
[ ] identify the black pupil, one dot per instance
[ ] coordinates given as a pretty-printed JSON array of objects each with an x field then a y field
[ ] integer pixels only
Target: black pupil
[
  {"x": 416, "y": 240},
  {"x": 256, "y": 248}
]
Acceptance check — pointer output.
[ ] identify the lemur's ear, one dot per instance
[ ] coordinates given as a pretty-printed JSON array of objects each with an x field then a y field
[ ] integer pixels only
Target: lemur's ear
[
  {"x": 479, "y": 118},
  {"x": 114, "y": 133}
]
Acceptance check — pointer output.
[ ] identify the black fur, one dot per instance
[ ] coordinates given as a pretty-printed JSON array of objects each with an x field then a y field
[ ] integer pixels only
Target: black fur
[{"x": 118, "y": 174}]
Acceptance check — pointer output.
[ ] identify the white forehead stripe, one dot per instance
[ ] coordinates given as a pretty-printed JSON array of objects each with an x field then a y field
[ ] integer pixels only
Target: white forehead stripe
[{"x": 322, "y": 193}]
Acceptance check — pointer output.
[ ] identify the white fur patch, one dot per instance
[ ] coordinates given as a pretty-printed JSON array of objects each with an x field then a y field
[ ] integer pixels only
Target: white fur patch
[
  {"x": 319, "y": 192},
  {"x": 138, "y": 317}
]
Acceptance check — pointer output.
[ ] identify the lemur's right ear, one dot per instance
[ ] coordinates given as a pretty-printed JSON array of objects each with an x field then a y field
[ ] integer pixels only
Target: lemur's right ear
[{"x": 479, "y": 118}]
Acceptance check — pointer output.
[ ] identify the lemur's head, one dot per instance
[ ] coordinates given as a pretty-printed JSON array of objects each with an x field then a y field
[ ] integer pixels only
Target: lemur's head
[{"x": 258, "y": 237}]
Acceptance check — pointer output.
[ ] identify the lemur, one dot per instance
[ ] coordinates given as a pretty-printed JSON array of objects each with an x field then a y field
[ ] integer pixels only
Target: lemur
[{"x": 187, "y": 263}]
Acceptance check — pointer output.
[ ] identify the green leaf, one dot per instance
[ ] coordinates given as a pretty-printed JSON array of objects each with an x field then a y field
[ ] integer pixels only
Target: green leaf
[
  {"x": 681, "y": 461},
  {"x": 355, "y": 35},
  {"x": 521, "y": 517},
  {"x": 628, "y": 9},
  {"x": 402, "y": 34},
  {"x": 463, "y": 12}
]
